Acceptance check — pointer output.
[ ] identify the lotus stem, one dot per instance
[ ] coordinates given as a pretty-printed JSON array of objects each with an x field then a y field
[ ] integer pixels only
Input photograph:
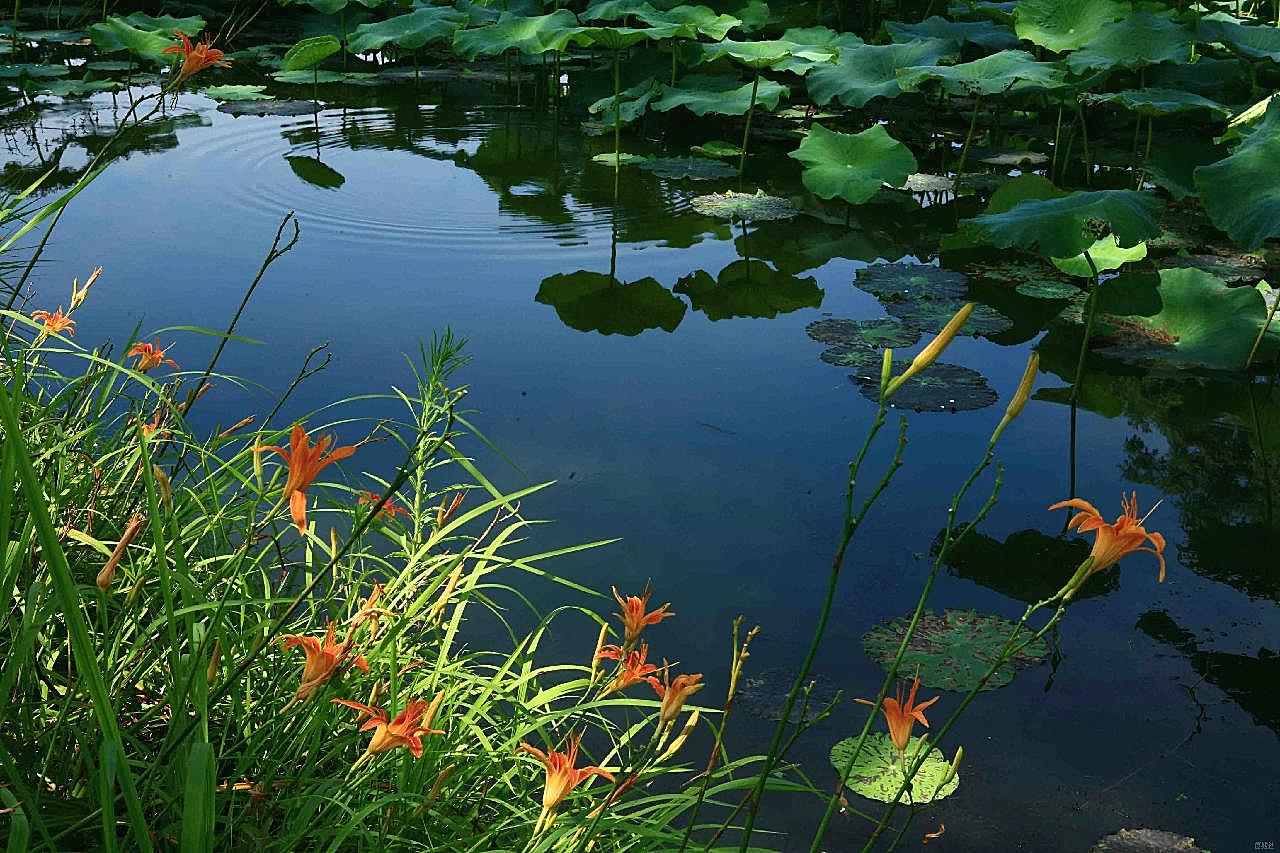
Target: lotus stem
[
  {"x": 1257, "y": 342},
  {"x": 968, "y": 138},
  {"x": 1057, "y": 133},
  {"x": 1142, "y": 176},
  {"x": 617, "y": 122},
  {"x": 746, "y": 131},
  {"x": 1091, "y": 310},
  {"x": 1084, "y": 141}
]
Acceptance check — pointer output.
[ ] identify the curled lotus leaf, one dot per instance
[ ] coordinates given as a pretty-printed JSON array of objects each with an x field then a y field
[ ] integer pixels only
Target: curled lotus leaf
[
  {"x": 1065, "y": 226},
  {"x": 767, "y": 54},
  {"x": 1254, "y": 42},
  {"x": 1241, "y": 193},
  {"x": 1160, "y": 102},
  {"x": 997, "y": 74},
  {"x": 309, "y": 52},
  {"x": 877, "y": 774},
  {"x": 529, "y": 35},
  {"x": 953, "y": 649},
  {"x": 941, "y": 387},
  {"x": 718, "y": 94},
  {"x": 409, "y": 31},
  {"x": 746, "y": 206}
]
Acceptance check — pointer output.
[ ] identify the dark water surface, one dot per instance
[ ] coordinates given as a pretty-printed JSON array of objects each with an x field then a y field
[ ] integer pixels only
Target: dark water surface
[{"x": 717, "y": 448}]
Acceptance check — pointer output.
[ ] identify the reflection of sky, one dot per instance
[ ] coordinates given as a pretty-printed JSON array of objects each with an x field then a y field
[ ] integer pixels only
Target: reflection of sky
[{"x": 716, "y": 452}]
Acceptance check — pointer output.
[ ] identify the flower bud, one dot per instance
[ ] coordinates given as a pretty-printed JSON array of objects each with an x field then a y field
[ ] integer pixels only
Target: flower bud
[
  {"x": 164, "y": 489},
  {"x": 108, "y": 573},
  {"x": 930, "y": 353},
  {"x": 215, "y": 658},
  {"x": 955, "y": 766}
]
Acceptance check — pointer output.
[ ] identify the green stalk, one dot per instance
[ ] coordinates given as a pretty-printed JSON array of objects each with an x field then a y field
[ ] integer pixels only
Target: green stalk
[
  {"x": 973, "y": 122},
  {"x": 1253, "y": 351},
  {"x": 1092, "y": 310},
  {"x": 617, "y": 123},
  {"x": 1084, "y": 141},
  {"x": 746, "y": 131},
  {"x": 1057, "y": 133}
]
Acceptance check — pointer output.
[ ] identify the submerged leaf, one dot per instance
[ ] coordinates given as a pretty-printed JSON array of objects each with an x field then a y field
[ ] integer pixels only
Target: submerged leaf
[
  {"x": 748, "y": 289},
  {"x": 596, "y": 302}
]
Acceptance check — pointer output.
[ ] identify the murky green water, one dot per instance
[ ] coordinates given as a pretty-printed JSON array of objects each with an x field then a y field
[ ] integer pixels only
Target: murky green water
[{"x": 708, "y": 434}]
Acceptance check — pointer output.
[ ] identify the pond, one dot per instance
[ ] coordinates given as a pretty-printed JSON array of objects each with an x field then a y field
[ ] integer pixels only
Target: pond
[{"x": 696, "y": 419}]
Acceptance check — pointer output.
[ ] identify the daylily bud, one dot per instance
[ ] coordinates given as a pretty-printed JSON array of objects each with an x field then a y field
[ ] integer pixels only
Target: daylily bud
[
  {"x": 108, "y": 573},
  {"x": 215, "y": 658},
  {"x": 237, "y": 426},
  {"x": 1020, "y": 397},
  {"x": 595, "y": 656},
  {"x": 445, "y": 513},
  {"x": 689, "y": 726},
  {"x": 333, "y": 542},
  {"x": 886, "y": 369},
  {"x": 437, "y": 610},
  {"x": 930, "y": 353},
  {"x": 163, "y": 488},
  {"x": 79, "y": 295},
  {"x": 955, "y": 766},
  {"x": 257, "y": 462}
]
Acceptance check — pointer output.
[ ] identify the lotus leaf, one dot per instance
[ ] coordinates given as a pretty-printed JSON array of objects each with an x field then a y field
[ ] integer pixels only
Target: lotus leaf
[
  {"x": 1172, "y": 164},
  {"x": 744, "y": 206},
  {"x": 718, "y": 95},
  {"x": 610, "y": 159},
  {"x": 871, "y": 71},
  {"x": 631, "y": 102},
  {"x": 768, "y": 54},
  {"x": 852, "y": 166},
  {"x": 1255, "y": 42},
  {"x": 32, "y": 71},
  {"x": 1241, "y": 193},
  {"x": 911, "y": 282},
  {"x": 1136, "y": 40},
  {"x": 109, "y": 65},
  {"x": 316, "y": 173},
  {"x": 236, "y": 93},
  {"x": 717, "y": 148},
  {"x": 72, "y": 88},
  {"x": 931, "y": 315},
  {"x": 164, "y": 24},
  {"x": 273, "y": 108},
  {"x": 1201, "y": 321},
  {"x": 877, "y": 773},
  {"x": 987, "y": 35},
  {"x": 940, "y": 387},
  {"x": 621, "y": 38},
  {"x": 410, "y": 32},
  {"x": 692, "y": 168},
  {"x": 614, "y": 10},
  {"x": 922, "y": 183},
  {"x": 597, "y": 302},
  {"x": 999, "y": 73},
  {"x": 1063, "y": 25},
  {"x": 1233, "y": 270},
  {"x": 1015, "y": 159},
  {"x": 871, "y": 335},
  {"x": 952, "y": 650},
  {"x": 754, "y": 15},
  {"x": 748, "y": 289},
  {"x": 692, "y": 21},
  {"x": 46, "y": 36},
  {"x": 529, "y": 35},
  {"x": 316, "y": 76},
  {"x": 1159, "y": 102},
  {"x": 114, "y": 34},
  {"x": 309, "y": 53},
  {"x": 1066, "y": 226},
  {"x": 1146, "y": 841},
  {"x": 1029, "y": 276},
  {"x": 1106, "y": 255}
]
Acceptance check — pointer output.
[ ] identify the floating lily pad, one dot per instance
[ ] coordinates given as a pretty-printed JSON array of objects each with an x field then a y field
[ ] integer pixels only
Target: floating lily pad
[
  {"x": 596, "y": 302},
  {"x": 931, "y": 315},
  {"x": 237, "y": 93},
  {"x": 877, "y": 773},
  {"x": 1027, "y": 275},
  {"x": 922, "y": 183},
  {"x": 869, "y": 334},
  {"x": 76, "y": 88},
  {"x": 691, "y": 168},
  {"x": 748, "y": 289},
  {"x": 1015, "y": 159},
  {"x": 610, "y": 159},
  {"x": 1233, "y": 270},
  {"x": 1046, "y": 289},
  {"x": 745, "y": 206},
  {"x": 908, "y": 282},
  {"x": 717, "y": 148},
  {"x": 954, "y": 649},
  {"x": 763, "y": 696},
  {"x": 941, "y": 387},
  {"x": 1147, "y": 841},
  {"x": 32, "y": 71},
  {"x": 852, "y": 166},
  {"x": 268, "y": 108},
  {"x": 308, "y": 77}
]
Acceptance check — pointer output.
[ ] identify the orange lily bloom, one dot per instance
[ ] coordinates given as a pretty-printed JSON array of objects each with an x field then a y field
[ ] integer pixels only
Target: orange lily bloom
[
  {"x": 305, "y": 462},
  {"x": 562, "y": 776},
  {"x": 323, "y": 660},
  {"x": 370, "y": 612},
  {"x": 674, "y": 693},
  {"x": 389, "y": 509},
  {"x": 634, "y": 619},
  {"x": 149, "y": 356},
  {"x": 633, "y": 668},
  {"x": 153, "y": 429},
  {"x": 1114, "y": 541},
  {"x": 405, "y": 730},
  {"x": 55, "y": 322},
  {"x": 902, "y": 716},
  {"x": 195, "y": 58}
]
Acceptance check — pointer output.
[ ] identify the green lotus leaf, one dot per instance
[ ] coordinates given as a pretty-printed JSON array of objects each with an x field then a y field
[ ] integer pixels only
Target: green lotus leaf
[
  {"x": 164, "y": 24},
  {"x": 940, "y": 387},
  {"x": 1066, "y": 226},
  {"x": 1063, "y": 25},
  {"x": 631, "y": 102},
  {"x": 307, "y": 77},
  {"x": 767, "y": 54},
  {"x": 1255, "y": 42},
  {"x": 704, "y": 94},
  {"x": 1172, "y": 163},
  {"x": 114, "y": 34},
  {"x": 871, "y": 71},
  {"x": 999, "y": 73},
  {"x": 987, "y": 35},
  {"x": 1020, "y": 189},
  {"x": 852, "y": 166},
  {"x": 1159, "y": 102},
  {"x": 1137, "y": 40},
  {"x": 822, "y": 38},
  {"x": 691, "y": 21},
  {"x": 614, "y": 10},
  {"x": 236, "y": 93},
  {"x": 877, "y": 773},
  {"x": 597, "y": 302},
  {"x": 1241, "y": 193},
  {"x": 691, "y": 168},
  {"x": 410, "y": 32},
  {"x": 745, "y": 206},
  {"x": 870, "y": 335},
  {"x": 931, "y": 315},
  {"x": 316, "y": 173},
  {"x": 45, "y": 36},
  {"x": 76, "y": 88},
  {"x": 748, "y": 289},
  {"x": 1106, "y": 255},
  {"x": 332, "y": 7},
  {"x": 33, "y": 71},
  {"x": 1026, "y": 274},
  {"x": 621, "y": 38},
  {"x": 754, "y": 14},
  {"x": 1232, "y": 270},
  {"x": 923, "y": 183},
  {"x": 110, "y": 65},
  {"x": 952, "y": 650},
  {"x": 529, "y": 35},
  {"x": 911, "y": 282},
  {"x": 309, "y": 53},
  {"x": 1201, "y": 322},
  {"x": 273, "y": 107},
  {"x": 717, "y": 148},
  {"x": 609, "y": 159}
]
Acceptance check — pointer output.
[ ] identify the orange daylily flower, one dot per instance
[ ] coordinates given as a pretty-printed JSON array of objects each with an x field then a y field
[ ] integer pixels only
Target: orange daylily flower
[
  {"x": 562, "y": 776},
  {"x": 674, "y": 693},
  {"x": 149, "y": 356},
  {"x": 634, "y": 619},
  {"x": 902, "y": 716},
  {"x": 323, "y": 660},
  {"x": 632, "y": 670},
  {"x": 405, "y": 730},
  {"x": 370, "y": 612},
  {"x": 195, "y": 58},
  {"x": 55, "y": 322},
  {"x": 389, "y": 509},
  {"x": 305, "y": 462},
  {"x": 153, "y": 429},
  {"x": 1114, "y": 541}
]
